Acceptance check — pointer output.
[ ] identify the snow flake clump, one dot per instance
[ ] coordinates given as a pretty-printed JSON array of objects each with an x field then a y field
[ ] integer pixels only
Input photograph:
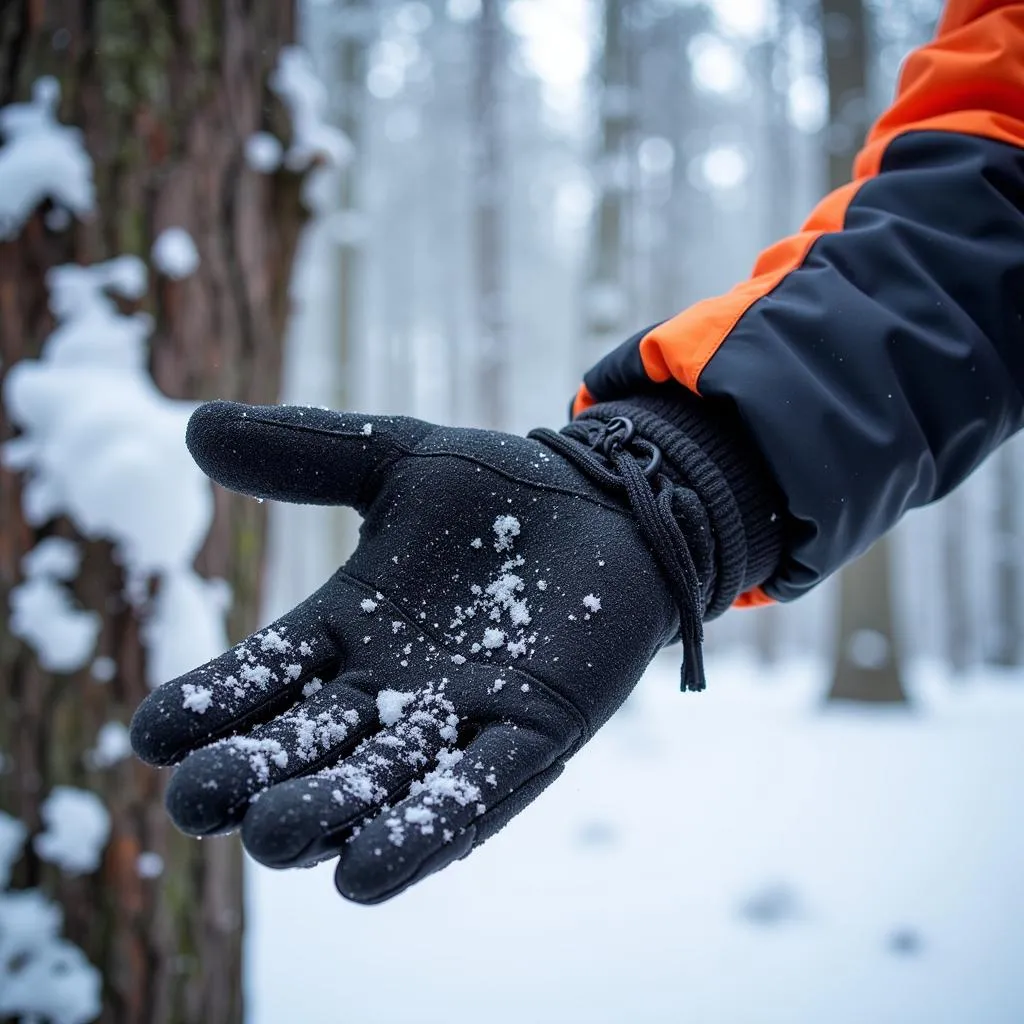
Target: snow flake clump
[
  {"x": 41, "y": 159},
  {"x": 149, "y": 864},
  {"x": 175, "y": 254},
  {"x": 42, "y": 976},
  {"x": 261, "y": 754},
  {"x": 391, "y": 705},
  {"x": 112, "y": 746},
  {"x": 197, "y": 698},
  {"x": 592, "y": 603},
  {"x": 493, "y": 638},
  {"x": 77, "y": 829},
  {"x": 43, "y": 611},
  {"x": 103, "y": 669},
  {"x": 263, "y": 152},
  {"x": 505, "y": 529},
  {"x": 369, "y": 606},
  {"x": 315, "y": 142},
  {"x": 101, "y": 445}
]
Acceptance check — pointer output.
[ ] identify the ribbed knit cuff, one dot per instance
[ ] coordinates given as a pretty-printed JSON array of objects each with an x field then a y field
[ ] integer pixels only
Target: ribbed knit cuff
[{"x": 707, "y": 448}]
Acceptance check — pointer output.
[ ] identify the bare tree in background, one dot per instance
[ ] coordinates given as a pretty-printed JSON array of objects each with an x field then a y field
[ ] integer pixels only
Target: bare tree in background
[
  {"x": 492, "y": 342},
  {"x": 867, "y": 663},
  {"x": 349, "y": 95},
  {"x": 955, "y": 584},
  {"x": 1005, "y": 649},
  {"x": 606, "y": 310},
  {"x": 166, "y": 95}
]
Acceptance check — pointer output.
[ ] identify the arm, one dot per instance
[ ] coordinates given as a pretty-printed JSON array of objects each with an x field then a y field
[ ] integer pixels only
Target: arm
[{"x": 877, "y": 357}]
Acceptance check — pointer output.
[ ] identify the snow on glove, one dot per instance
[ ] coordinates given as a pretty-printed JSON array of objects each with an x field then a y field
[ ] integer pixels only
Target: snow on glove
[{"x": 506, "y": 595}]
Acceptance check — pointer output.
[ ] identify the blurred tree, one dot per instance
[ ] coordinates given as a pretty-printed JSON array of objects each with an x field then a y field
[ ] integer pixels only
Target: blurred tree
[
  {"x": 605, "y": 303},
  {"x": 489, "y": 230},
  {"x": 1005, "y": 647},
  {"x": 867, "y": 663},
  {"x": 166, "y": 95},
  {"x": 955, "y": 584},
  {"x": 347, "y": 87}
]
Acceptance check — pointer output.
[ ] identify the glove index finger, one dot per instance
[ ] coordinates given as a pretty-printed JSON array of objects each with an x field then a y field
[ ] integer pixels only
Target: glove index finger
[
  {"x": 297, "y": 453},
  {"x": 256, "y": 679}
]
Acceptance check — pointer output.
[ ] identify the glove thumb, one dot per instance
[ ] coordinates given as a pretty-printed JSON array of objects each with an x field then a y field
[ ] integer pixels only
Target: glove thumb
[{"x": 298, "y": 454}]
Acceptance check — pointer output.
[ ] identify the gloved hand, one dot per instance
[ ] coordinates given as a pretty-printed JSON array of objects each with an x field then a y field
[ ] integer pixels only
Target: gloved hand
[{"x": 505, "y": 597}]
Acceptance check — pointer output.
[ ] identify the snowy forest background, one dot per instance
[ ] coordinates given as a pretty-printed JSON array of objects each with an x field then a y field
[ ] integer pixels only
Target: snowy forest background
[{"x": 449, "y": 209}]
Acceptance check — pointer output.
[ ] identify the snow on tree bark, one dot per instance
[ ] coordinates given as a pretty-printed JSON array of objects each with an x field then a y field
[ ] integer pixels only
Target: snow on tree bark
[{"x": 167, "y": 95}]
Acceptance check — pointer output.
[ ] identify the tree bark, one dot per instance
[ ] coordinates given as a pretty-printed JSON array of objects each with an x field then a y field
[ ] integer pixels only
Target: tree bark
[
  {"x": 956, "y": 583},
  {"x": 867, "y": 665},
  {"x": 488, "y": 215},
  {"x": 1005, "y": 649},
  {"x": 605, "y": 312},
  {"x": 166, "y": 92}
]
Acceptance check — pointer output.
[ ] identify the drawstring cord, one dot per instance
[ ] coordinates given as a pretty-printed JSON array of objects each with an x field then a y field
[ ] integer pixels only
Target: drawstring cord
[{"x": 657, "y": 514}]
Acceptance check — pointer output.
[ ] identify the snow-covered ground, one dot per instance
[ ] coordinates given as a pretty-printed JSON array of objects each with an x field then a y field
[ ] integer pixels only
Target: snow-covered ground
[{"x": 735, "y": 857}]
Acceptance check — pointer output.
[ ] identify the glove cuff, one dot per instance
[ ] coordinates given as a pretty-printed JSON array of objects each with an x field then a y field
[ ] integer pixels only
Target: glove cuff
[{"x": 707, "y": 448}]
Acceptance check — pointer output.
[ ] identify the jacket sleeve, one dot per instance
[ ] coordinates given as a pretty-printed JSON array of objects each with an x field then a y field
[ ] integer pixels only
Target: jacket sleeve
[{"x": 877, "y": 357}]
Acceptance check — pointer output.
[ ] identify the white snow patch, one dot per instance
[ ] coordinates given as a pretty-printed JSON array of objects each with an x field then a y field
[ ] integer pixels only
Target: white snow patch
[
  {"x": 592, "y": 603},
  {"x": 369, "y": 606},
  {"x": 103, "y": 669},
  {"x": 77, "y": 827},
  {"x": 505, "y": 528},
  {"x": 391, "y": 705},
  {"x": 197, "y": 698},
  {"x": 295, "y": 82},
  {"x": 43, "y": 612},
  {"x": 175, "y": 254},
  {"x": 367, "y": 429},
  {"x": 878, "y": 820},
  {"x": 263, "y": 152},
  {"x": 41, "y": 159},
  {"x": 112, "y": 746},
  {"x": 55, "y": 557},
  {"x": 493, "y": 638},
  {"x": 101, "y": 445},
  {"x": 261, "y": 754},
  {"x": 44, "y": 615},
  {"x": 149, "y": 864},
  {"x": 42, "y": 976},
  {"x": 272, "y": 642}
]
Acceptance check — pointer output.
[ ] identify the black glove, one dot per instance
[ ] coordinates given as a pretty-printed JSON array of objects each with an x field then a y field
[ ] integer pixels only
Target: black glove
[{"x": 505, "y": 597}]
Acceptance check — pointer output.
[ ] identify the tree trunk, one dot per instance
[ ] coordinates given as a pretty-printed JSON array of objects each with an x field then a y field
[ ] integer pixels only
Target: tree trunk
[
  {"x": 1005, "y": 649},
  {"x": 956, "y": 582},
  {"x": 867, "y": 664},
  {"x": 350, "y": 62},
  {"x": 844, "y": 28},
  {"x": 489, "y": 230},
  {"x": 605, "y": 305},
  {"x": 166, "y": 92}
]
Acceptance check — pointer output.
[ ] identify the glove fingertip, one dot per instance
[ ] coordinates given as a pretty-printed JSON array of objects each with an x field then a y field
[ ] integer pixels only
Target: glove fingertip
[
  {"x": 150, "y": 738},
  {"x": 364, "y": 875},
  {"x": 215, "y": 441}
]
